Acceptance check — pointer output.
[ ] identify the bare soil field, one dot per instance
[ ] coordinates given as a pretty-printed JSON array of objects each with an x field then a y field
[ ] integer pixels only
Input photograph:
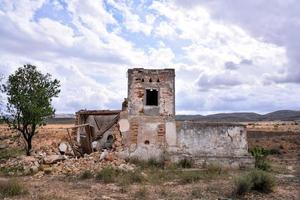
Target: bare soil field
[{"x": 155, "y": 182}]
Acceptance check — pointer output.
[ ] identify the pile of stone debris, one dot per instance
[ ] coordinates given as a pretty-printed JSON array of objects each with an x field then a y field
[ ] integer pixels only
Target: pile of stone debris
[{"x": 41, "y": 163}]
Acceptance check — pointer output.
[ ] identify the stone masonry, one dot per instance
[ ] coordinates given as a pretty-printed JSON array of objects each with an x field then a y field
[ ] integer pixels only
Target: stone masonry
[{"x": 148, "y": 128}]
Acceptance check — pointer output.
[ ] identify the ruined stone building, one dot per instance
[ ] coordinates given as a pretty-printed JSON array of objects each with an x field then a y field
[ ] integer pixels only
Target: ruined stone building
[{"x": 145, "y": 128}]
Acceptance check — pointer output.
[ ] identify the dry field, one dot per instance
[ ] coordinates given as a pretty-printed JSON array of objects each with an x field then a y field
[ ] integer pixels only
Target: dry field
[{"x": 156, "y": 183}]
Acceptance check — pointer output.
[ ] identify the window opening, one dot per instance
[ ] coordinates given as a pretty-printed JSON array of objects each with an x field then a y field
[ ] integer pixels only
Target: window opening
[
  {"x": 151, "y": 97},
  {"x": 147, "y": 142}
]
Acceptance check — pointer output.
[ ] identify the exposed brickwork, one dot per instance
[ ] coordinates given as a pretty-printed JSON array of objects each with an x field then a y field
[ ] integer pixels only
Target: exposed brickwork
[
  {"x": 150, "y": 125},
  {"x": 134, "y": 129},
  {"x": 161, "y": 132},
  {"x": 162, "y": 80}
]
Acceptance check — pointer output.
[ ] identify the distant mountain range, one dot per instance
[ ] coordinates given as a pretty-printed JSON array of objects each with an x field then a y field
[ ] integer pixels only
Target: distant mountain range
[{"x": 282, "y": 115}]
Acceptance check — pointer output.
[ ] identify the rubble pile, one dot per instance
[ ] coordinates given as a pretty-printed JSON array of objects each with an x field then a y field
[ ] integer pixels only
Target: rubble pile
[
  {"x": 42, "y": 164},
  {"x": 53, "y": 154},
  {"x": 91, "y": 162}
]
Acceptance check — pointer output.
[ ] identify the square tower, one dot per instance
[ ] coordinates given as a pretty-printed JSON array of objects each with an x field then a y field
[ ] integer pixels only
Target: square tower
[
  {"x": 151, "y": 111},
  {"x": 151, "y": 92}
]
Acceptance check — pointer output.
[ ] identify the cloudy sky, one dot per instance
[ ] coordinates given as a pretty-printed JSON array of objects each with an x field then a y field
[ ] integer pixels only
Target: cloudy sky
[{"x": 229, "y": 55}]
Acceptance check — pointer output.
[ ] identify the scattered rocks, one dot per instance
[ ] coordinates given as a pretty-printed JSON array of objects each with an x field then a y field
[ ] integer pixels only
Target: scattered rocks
[
  {"x": 57, "y": 158},
  {"x": 34, "y": 169},
  {"x": 103, "y": 155},
  {"x": 125, "y": 167},
  {"x": 54, "y": 159},
  {"x": 63, "y": 147}
]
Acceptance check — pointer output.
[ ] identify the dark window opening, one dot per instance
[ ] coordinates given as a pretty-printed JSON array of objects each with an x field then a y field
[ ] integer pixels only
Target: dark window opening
[
  {"x": 147, "y": 142},
  {"x": 151, "y": 97},
  {"x": 150, "y": 80},
  {"x": 142, "y": 80},
  {"x": 110, "y": 139},
  {"x": 157, "y": 80}
]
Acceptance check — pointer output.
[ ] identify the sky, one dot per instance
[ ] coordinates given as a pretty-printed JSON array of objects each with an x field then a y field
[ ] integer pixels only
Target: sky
[{"x": 229, "y": 55}]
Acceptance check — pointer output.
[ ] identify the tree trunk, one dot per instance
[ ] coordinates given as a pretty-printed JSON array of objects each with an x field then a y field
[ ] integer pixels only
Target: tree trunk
[
  {"x": 28, "y": 138},
  {"x": 29, "y": 146}
]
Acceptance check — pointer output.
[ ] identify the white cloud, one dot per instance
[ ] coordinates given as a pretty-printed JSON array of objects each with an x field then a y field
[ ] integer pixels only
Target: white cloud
[
  {"x": 161, "y": 57},
  {"x": 165, "y": 30},
  {"x": 132, "y": 21},
  {"x": 57, "y": 5},
  {"x": 219, "y": 65},
  {"x": 62, "y": 35}
]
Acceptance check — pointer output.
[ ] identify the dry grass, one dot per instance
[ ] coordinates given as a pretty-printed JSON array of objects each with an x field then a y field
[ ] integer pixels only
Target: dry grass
[{"x": 10, "y": 188}]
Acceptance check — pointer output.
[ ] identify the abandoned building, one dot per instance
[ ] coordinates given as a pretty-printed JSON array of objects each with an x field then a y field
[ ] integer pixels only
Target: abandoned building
[{"x": 146, "y": 128}]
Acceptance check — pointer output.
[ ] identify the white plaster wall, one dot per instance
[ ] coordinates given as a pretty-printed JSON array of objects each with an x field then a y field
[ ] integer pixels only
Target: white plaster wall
[
  {"x": 148, "y": 131},
  {"x": 219, "y": 140},
  {"x": 171, "y": 135}
]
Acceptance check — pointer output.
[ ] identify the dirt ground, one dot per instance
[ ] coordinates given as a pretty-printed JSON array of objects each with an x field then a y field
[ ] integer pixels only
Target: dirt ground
[{"x": 285, "y": 167}]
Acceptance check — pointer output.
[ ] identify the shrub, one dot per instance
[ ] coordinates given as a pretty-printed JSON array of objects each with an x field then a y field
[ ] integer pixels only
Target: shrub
[
  {"x": 260, "y": 155},
  {"x": 154, "y": 163},
  {"x": 259, "y": 152},
  {"x": 151, "y": 163},
  {"x": 12, "y": 170},
  {"x": 134, "y": 177},
  {"x": 263, "y": 165},
  {"x": 214, "y": 169},
  {"x": 243, "y": 185},
  {"x": 11, "y": 188},
  {"x": 190, "y": 177},
  {"x": 10, "y": 153},
  {"x": 185, "y": 163},
  {"x": 86, "y": 175},
  {"x": 257, "y": 180},
  {"x": 107, "y": 175},
  {"x": 129, "y": 177},
  {"x": 262, "y": 181}
]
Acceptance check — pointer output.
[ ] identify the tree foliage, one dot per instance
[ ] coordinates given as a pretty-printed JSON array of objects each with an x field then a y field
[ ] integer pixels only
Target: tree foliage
[
  {"x": 29, "y": 94},
  {"x": 1, "y": 103}
]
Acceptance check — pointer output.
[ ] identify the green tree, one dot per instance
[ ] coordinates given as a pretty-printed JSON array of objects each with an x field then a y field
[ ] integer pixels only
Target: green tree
[
  {"x": 1, "y": 98},
  {"x": 1, "y": 90},
  {"x": 29, "y": 95}
]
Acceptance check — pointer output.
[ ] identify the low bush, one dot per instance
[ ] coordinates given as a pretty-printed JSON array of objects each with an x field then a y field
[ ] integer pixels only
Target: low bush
[
  {"x": 110, "y": 175},
  {"x": 257, "y": 180},
  {"x": 214, "y": 169},
  {"x": 154, "y": 163},
  {"x": 262, "y": 181},
  {"x": 86, "y": 175},
  {"x": 130, "y": 177},
  {"x": 151, "y": 163},
  {"x": 190, "y": 177},
  {"x": 263, "y": 165},
  {"x": 10, "y": 153},
  {"x": 243, "y": 185},
  {"x": 185, "y": 163},
  {"x": 10, "y": 188},
  {"x": 260, "y": 154},
  {"x": 12, "y": 170},
  {"x": 107, "y": 175}
]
